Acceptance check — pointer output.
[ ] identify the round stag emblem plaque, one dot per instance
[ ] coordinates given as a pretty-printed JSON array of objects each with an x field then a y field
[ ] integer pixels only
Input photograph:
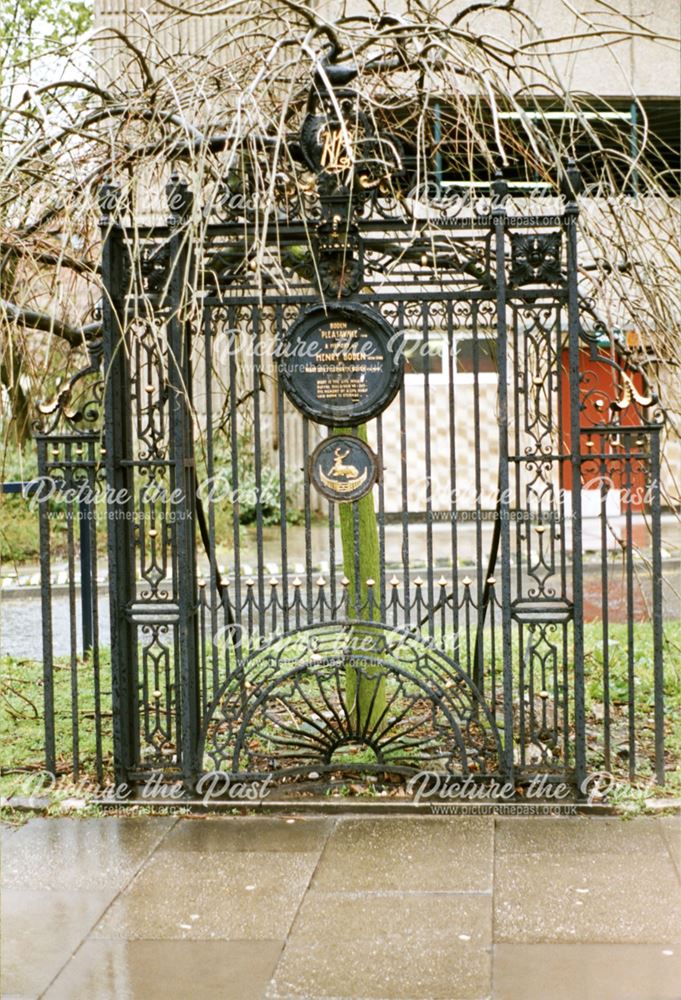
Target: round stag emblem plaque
[
  {"x": 341, "y": 365},
  {"x": 343, "y": 468}
]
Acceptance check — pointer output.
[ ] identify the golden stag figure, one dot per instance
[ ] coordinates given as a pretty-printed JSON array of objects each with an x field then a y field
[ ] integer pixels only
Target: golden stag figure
[{"x": 339, "y": 468}]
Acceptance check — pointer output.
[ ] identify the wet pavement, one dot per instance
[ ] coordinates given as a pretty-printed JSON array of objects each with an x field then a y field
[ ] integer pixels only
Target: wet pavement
[{"x": 413, "y": 908}]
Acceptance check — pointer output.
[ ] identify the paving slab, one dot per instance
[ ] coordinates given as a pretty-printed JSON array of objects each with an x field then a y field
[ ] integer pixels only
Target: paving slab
[
  {"x": 671, "y": 831},
  {"x": 40, "y": 932},
  {"x": 248, "y": 833},
  {"x": 79, "y": 853},
  {"x": 424, "y": 854},
  {"x": 393, "y": 946},
  {"x": 211, "y": 895},
  {"x": 579, "y": 834},
  {"x": 159, "y": 970},
  {"x": 627, "y": 898},
  {"x": 587, "y": 971}
]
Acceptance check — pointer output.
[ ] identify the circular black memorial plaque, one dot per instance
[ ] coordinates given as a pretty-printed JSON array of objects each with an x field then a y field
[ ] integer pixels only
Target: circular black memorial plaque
[
  {"x": 343, "y": 468},
  {"x": 341, "y": 365}
]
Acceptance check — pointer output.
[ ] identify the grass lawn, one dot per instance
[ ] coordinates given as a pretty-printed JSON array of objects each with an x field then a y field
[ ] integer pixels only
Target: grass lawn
[{"x": 21, "y": 719}]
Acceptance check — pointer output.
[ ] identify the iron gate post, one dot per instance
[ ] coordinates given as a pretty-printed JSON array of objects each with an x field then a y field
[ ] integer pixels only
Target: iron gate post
[
  {"x": 119, "y": 507},
  {"x": 46, "y": 607},
  {"x": 570, "y": 189},
  {"x": 499, "y": 191},
  {"x": 657, "y": 596},
  {"x": 183, "y": 474}
]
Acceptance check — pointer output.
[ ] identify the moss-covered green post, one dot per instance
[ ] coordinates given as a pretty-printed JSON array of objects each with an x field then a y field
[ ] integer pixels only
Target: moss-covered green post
[{"x": 364, "y": 690}]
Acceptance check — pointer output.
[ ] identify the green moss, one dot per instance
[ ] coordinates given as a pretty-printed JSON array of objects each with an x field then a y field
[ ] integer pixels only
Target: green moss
[{"x": 364, "y": 684}]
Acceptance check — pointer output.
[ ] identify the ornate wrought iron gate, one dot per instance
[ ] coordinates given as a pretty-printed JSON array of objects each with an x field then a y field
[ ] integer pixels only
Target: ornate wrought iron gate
[{"x": 252, "y": 649}]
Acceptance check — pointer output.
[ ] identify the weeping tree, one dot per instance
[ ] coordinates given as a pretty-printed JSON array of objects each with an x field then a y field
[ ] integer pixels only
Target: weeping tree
[{"x": 219, "y": 92}]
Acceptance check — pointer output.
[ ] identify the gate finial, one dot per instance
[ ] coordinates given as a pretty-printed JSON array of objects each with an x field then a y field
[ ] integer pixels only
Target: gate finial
[
  {"x": 499, "y": 190},
  {"x": 571, "y": 183},
  {"x": 180, "y": 199},
  {"x": 110, "y": 197}
]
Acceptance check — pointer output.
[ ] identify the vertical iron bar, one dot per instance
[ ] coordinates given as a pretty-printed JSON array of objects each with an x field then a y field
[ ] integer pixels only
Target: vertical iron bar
[
  {"x": 359, "y": 611},
  {"x": 84, "y": 514},
  {"x": 560, "y": 437},
  {"x": 308, "y": 519},
  {"x": 631, "y": 582},
  {"x": 404, "y": 478},
  {"x": 332, "y": 559},
  {"x": 381, "y": 521},
  {"x": 71, "y": 512},
  {"x": 96, "y": 676},
  {"x": 281, "y": 446},
  {"x": 425, "y": 322},
  {"x": 210, "y": 472},
  {"x": 605, "y": 604},
  {"x": 235, "y": 477},
  {"x": 520, "y": 371},
  {"x": 478, "y": 667},
  {"x": 563, "y": 464},
  {"x": 453, "y": 500},
  {"x": 257, "y": 458}
]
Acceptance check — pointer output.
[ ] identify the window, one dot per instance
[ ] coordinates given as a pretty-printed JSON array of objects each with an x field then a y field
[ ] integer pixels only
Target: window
[
  {"x": 471, "y": 354},
  {"x": 421, "y": 356},
  {"x": 486, "y": 354}
]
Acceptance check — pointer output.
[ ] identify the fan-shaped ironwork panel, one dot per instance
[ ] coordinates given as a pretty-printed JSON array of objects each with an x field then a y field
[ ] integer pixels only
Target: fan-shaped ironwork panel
[{"x": 352, "y": 696}]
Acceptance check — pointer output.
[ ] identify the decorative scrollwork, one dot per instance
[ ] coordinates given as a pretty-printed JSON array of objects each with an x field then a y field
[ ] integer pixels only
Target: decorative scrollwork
[
  {"x": 615, "y": 392},
  {"x": 157, "y": 691},
  {"x": 340, "y": 269},
  {"x": 352, "y": 162},
  {"x": 616, "y": 389},
  {"x": 535, "y": 258},
  {"x": 630, "y": 394},
  {"x": 541, "y": 710},
  {"x": 77, "y": 402},
  {"x": 154, "y": 265}
]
